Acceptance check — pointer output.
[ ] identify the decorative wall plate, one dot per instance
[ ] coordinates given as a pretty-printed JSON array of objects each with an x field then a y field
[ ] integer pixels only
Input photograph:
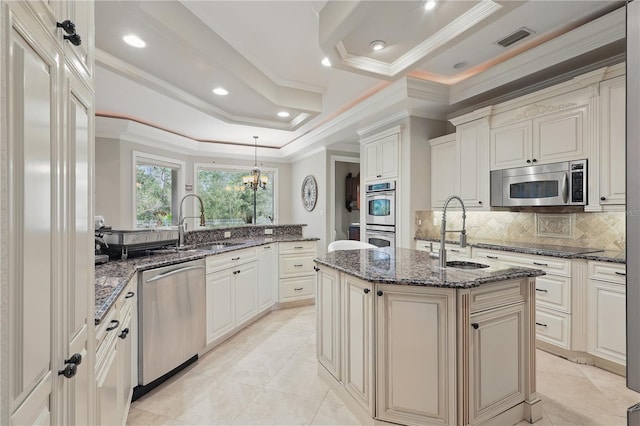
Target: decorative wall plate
[{"x": 309, "y": 193}]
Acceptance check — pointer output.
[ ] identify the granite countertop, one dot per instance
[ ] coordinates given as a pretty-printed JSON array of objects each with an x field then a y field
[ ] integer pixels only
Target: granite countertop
[
  {"x": 412, "y": 267},
  {"x": 112, "y": 277},
  {"x": 564, "y": 252}
]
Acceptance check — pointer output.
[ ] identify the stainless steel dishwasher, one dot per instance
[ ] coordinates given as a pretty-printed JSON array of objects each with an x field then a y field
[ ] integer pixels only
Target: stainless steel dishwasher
[{"x": 171, "y": 318}]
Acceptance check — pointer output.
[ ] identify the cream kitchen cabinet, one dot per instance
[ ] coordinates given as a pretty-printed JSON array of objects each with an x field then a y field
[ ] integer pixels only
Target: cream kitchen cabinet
[
  {"x": 554, "y": 309},
  {"x": 295, "y": 268},
  {"x": 267, "y": 276},
  {"x": 381, "y": 158},
  {"x": 47, "y": 139},
  {"x": 231, "y": 292},
  {"x": 606, "y": 308},
  {"x": 329, "y": 309},
  {"x": 612, "y": 185},
  {"x": 548, "y": 138},
  {"x": 444, "y": 169},
  {"x": 415, "y": 365},
  {"x": 460, "y": 165}
]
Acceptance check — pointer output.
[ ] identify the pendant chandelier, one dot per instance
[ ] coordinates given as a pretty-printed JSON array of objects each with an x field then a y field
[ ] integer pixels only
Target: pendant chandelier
[{"x": 255, "y": 180}]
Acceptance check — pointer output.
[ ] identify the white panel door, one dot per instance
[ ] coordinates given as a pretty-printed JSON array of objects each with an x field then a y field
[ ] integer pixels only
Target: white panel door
[
  {"x": 607, "y": 321},
  {"x": 473, "y": 155},
  {"x": 328, "y": 309},
  {"x": 612, "y": 141},
  {"x": 559, "y": 136},
  {"x": 31, "y": 203},
  {"x": 371, "y": 161},
  {"x": 444, "y": 172},
  {"x": 358, "y": 348},
  {"x": 511, "y": 146},
  {"x": 267, "y": 277},
  {"x": 220, "y": 304},
  {"x": 415, "y": 364},
  {"x": 388, "y": 153},
  {"x": 246, "y": 292}
]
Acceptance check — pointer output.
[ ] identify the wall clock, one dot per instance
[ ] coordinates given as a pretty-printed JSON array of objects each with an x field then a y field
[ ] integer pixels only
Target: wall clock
[{"x": 309, "y": 193}]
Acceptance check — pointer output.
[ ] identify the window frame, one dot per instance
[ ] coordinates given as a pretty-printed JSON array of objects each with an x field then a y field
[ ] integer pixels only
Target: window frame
[
  {"x": 237, "y": 168},
  {"x": 140, "y": 157}
]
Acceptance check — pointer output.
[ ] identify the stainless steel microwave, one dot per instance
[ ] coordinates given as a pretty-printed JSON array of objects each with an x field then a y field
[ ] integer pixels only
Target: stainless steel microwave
[{"x": 556, "y": 184}]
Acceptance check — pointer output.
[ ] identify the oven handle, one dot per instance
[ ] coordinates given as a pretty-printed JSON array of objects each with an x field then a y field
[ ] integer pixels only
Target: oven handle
[
  {"x": 372, "y": 194},
  {"x": 175, "y": 271},
  {"x": 565, "y": 188}
]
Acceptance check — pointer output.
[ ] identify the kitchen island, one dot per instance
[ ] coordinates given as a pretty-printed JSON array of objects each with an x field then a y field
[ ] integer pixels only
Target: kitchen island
[{"x": 402, "y": 340}]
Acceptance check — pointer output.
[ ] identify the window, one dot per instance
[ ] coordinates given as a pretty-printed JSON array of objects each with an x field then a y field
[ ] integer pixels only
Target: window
[
  {"x": 227, "y": 202},
  {"x": 157, "y": 197}
]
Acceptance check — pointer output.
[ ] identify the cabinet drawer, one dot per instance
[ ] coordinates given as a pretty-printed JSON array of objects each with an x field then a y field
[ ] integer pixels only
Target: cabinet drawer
[
  {"x": 294, "y": 266},
  {"x": 297, "y": 288},
  {"x": 553, "y": 327},
  {"x": 551, "y": 265},
  {"x": 607, "y": 271},
  {"x": 499, "y": 294},
  {"x": 217, "y": 262},
  {"x": 554, "y": 292},
  {"x": 295, "y": 247}
]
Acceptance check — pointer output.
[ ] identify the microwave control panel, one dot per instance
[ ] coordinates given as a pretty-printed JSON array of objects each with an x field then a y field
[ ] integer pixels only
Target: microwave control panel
[{"x": 578, "y": 172}]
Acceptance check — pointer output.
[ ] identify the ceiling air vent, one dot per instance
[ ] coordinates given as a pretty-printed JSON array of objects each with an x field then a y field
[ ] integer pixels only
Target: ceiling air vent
[{"x": 517, "y": 36}]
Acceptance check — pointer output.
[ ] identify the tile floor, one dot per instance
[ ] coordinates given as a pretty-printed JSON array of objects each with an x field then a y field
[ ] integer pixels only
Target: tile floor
[{"x": 266, "y": 375}]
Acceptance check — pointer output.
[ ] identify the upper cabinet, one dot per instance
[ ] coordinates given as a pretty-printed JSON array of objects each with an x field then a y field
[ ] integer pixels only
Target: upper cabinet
[
  {"x": 555, "y": 133},
  {"x": 443, "y": 169},
  {"x": 612, "y": 142},
  {"x": 381, "y": 157}
]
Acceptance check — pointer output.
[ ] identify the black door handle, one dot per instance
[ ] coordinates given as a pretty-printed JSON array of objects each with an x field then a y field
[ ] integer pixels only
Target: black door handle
[
  {"x": 74, "y": 39},
  {"x": 124, "y": 333},
  {"x": 475, "y": 325},
  {"x": 129, "y": 295},
  {"x": 74, "y": 359},
  {"x": 69, "y": 371},
  {"x": 68, "y": 26},
  {"x": 315, "y": 268},
  {"x": 379, "y": 293},
  {"x": 115, "y": 325},
  {"x": 366, "y": 291}
]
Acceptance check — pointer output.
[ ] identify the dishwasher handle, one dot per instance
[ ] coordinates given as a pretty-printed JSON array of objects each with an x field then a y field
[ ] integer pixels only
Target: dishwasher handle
[{"x": 175, "y": 271}]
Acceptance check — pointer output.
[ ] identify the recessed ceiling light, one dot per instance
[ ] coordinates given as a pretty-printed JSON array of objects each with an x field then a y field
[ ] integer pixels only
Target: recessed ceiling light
[
  {"x": 283, "y": 114},
  {"x": 429, "y": 4},
  {"x": 326, "y": 62},
  {"x": 134, "y": 40},
  {"x": 378, "y": 45},
  {"x": 220, "y": 91},
  {"x": 460, "y": 65}
]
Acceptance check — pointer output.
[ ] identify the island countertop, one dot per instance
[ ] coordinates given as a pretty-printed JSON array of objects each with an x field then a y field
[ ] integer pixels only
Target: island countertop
[{"x": 412, "y": 267}]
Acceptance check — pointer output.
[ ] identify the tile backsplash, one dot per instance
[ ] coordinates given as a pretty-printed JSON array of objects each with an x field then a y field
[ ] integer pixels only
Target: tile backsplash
[{"x": 595, "y": 230}]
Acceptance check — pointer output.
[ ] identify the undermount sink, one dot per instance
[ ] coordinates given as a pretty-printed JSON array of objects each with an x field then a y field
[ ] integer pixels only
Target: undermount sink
[
  {"x": 215, "y": 247},
  {"x": 462, "y": 264}
]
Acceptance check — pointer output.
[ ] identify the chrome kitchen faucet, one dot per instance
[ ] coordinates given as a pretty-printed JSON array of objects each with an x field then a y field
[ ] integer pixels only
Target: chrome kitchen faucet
[
  {"x": 181, "y": 225},
  {"x": 443, "y": 230}
]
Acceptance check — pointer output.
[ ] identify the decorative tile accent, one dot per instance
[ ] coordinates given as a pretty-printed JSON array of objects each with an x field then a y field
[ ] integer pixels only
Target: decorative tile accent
[{"x": 554, "y": 225}]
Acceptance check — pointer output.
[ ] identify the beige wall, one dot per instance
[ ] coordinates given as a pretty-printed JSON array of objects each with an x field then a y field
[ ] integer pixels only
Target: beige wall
[
  {"x": 593, "y": 230},
  {"x": 114, "y": 179}
]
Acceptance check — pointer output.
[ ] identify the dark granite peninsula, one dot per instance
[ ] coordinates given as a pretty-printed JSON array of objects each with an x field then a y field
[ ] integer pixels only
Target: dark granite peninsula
[{"x": 404, "y": 341}]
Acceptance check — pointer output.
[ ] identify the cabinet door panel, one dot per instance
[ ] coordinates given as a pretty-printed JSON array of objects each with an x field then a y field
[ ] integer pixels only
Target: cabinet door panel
[
  {"x": 267, "y": 276},
  {"x": 444, "y": 169},
  {"x": 510, "y": 146},
  {"x": 246, "y": 289},
  {"x": 328, "y": 313},
  {"x": 371, "y": 160},
  {"x": 613, "y": 141},
  {"x": 559, "y": 136},
  {"x": 389, "y": 160},
  {"x": 473, "y": 154},
  {"x": 220, "y": 306},
  {"x": 607, "y": 315},
  {"x": 497, "y": 367}
]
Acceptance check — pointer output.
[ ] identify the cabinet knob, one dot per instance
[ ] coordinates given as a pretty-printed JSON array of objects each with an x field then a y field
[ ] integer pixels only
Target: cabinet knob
[
  {"x": 475, "y": 325},
  {"x": 74, "y": 359},
  {"x": 603, "y": 198},
  {"x": 315, "y": 268},
  {"x": 366, "y": 291},
  {"x": 378, "y": 176},
  {"x": 68, "y": 26},
  {"x": 479, "y": 202},
  {"x": 379, "y": 293},
  {"x": 74, "y": 39},
  {"x": 69, "y": 371},
  {"x": 124, "y": 333},
  {"x": 535, "y": 161},
  {"x": 529, "y": 161}
]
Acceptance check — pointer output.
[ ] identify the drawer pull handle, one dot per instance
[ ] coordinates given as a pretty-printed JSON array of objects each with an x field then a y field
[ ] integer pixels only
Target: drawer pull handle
[
  {"x": 542, "y": 290},
  {"x": 475, "y": 325},
  {"x": 621, "y": 273},
  {"x": 454, "y": 250},
  {"x": 492, "y": 257},
  {"x": 299, "y": 288},
  {"x": 129, "y": 295},
  {"x": 298, "y": 265},
  {"x": 115, "y": 325},
  {"x": 541, "y": 324},
  {"x": 540, "y": 264},
  {"x": 235, "y": 258},
  {"x": 298, "y": 247}
]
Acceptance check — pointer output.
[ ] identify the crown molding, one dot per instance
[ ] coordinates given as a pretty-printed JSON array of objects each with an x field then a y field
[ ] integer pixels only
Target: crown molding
[
  {"x": 367, "y": 133},
  {"x": 472, "y": 116},
  {"x": 600, "y": 32},
  {"x": 428, "y": 90}
]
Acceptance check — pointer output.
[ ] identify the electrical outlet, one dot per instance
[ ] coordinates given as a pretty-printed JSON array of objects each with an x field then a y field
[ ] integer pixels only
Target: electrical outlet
[
  {"x": 419, "y": 222},
  {"x": 227, "y": 234},
  {"x": 268, "y": 232},
  {"x": 435, "y": 220}
]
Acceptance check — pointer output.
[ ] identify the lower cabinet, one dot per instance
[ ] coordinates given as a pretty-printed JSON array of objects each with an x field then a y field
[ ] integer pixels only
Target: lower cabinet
[
  {"x": 416, "y": 365},
  {"x": 295, "y": 270},
  {"x": 232, "y": 298},
  {"x": 267, "y": 276},
  {"x": 116, "y": 359},
  {"x": 606, "y": 307},
  {"x": 328, "y": 310}
]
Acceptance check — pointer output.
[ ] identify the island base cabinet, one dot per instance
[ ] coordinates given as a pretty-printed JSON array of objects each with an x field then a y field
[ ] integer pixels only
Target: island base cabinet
[
  {"x": 328, "y": 302},
  {"x": 496, "y": 373},
  {"x": 220, "y": 304},
  {"x": 416, "y": 366},
  {"x": 358, "y": 376}
]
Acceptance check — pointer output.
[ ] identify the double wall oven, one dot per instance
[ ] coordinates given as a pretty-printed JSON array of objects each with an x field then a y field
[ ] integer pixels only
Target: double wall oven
[{"x": 381, "y": 214}]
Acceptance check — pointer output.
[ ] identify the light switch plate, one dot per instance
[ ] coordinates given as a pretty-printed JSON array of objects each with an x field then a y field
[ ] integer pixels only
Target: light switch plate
[{"x": 227, "y": 234}]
